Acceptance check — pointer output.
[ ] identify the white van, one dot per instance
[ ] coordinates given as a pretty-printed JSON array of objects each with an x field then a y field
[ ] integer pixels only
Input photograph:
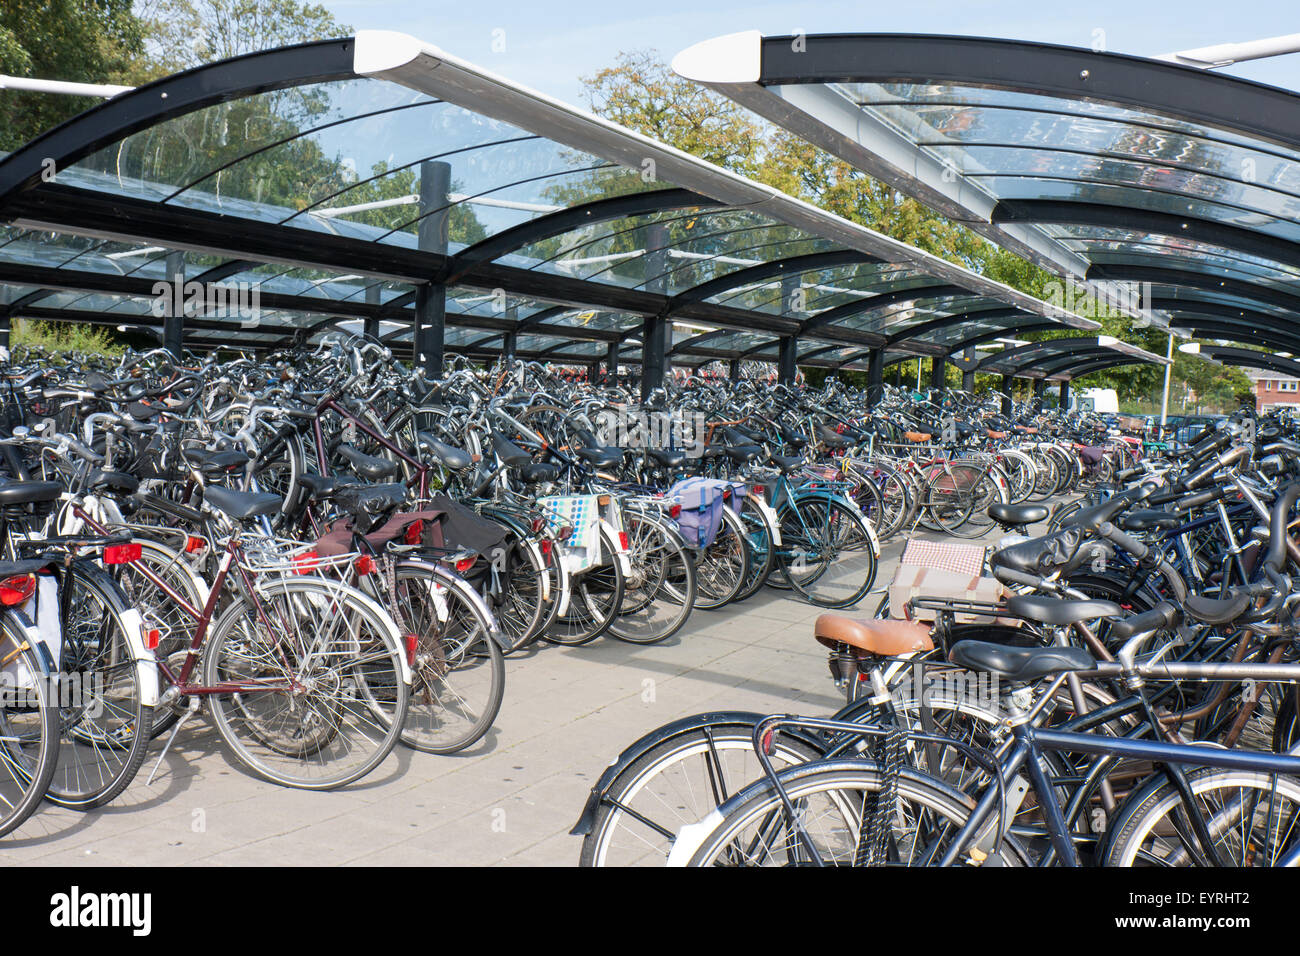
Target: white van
[{"x": 1104, "y": 401}]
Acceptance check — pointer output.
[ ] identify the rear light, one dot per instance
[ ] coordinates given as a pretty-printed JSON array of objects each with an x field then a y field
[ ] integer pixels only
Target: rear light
[
  {"x": 365, "y": 564},
  {"x": 306, "y": 561},
  {"x": 622, "y": 541},
  {"x": 414, "y": 532},
  {"x": 412, "y": 642},
  {"x": 675, "y": 511},
  {"x": 16, "y": 590},
  {"x": 194, "y": 545},
  {"x": 464, "y": 564},
  {"x": 538, "y": 525},
  {"x": 122, "y": 553},
  {"x": 565, "y": 533},
  {"x": 151, "y": 638},
  {"x": 546, "y": 547},
  {"x": 758, "y": 489}
]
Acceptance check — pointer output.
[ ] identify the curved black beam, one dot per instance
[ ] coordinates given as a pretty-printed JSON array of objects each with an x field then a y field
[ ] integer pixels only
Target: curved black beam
[
  {"x": 1238, "y": 331},
  {"x": 1052, "y": 362},
  {"x": 145, "y": 106},
  {"x": 686, "y": 345},
  {"x": 1046, "y": 347},
  {"x": 1000, "y": 333},
  {"x": 1064, "y": 212},
  {"x": 944, "y": 322},
  {"x": 1197, "y": 280},
  {"x": 1046, "y": 69},
  {"x": 567, "y": 220},
  {"x": 795, "y": 265},
  {"x": 880, "y": 301},
  {"x": 1253, "y": 359}
]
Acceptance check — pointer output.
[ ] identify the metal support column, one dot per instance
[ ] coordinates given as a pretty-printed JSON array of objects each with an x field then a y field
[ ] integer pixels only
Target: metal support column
[
  {"x": 174, "y": 320},
  {"x": 786, "y": 367},
  {"x": 654, "y": 333},
  {"x": 371, "y": 325},
  {"x": 733, "y": 370},
  {"x": 1005, "y": 389},
  {"x": 875, "y": 375},
  {"x": 937, "y": 366},
  {"x": 431, "y": 298}
]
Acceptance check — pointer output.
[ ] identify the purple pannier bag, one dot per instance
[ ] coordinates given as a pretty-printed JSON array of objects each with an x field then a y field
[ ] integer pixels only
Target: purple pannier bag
[{"x": 702, "y": 503}]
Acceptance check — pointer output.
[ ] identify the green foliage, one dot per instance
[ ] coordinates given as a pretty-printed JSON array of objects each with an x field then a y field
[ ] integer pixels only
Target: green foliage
[
  {"x": 88, "y": 41},
  {"x": 63, "y": 337}
]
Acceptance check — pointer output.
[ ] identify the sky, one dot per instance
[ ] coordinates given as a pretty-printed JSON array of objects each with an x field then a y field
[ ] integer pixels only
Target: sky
[{"x": 549, "y": 46}]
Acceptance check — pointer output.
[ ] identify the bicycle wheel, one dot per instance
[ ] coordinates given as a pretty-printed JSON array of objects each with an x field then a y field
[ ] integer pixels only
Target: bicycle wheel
[
  {"x": 947, "y": 500},
  {"x": 29, "y": 726},
  {"x": 159, "y": 612},
  {"x": 677, "y": 782},
  {"x": 318, "y": 692},
  {"x": 1253, "y": 819},
  {"x": 827, "y": 552},
  {"x": 595, "y": 597},
  {"x": 829, "y": 800},
  {"x": 762, "y": 554},
  {"x": 458, "y": 678},
  {"x": 722, "y": 567},
  {"x": 521, "y": 613},
  {"x": 104, "y": 721},
  {"x": 660, "y": 592}
]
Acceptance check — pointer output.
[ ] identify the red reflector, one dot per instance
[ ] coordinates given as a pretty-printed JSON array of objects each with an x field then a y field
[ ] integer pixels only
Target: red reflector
[
  {"x": 546, "y": 547},
  {"x": 565, "y": 532},
  {"x": 151, "y": 638},
  {"x": 412, "y": 642},
  {"x": 758, "y": 489},
  {"x": 464, "y": 564},
  {"x": 538, "y": 525},
  {"x": 675, "y": 511},
  {"x": 122, "y": 553},
  {"x": 365, "y": 564},
  {"x": 306, "y": 561},
  {"x": 193, "y": 544},
  {"x": 16, "y": 590},
  {"x": 414, "y": 532},
  {"x": 622, "y": 541}
]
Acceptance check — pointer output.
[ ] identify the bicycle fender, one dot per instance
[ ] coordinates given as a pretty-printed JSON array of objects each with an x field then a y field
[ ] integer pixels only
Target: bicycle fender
[
  {"x": 654, "y": 738},
  {"x": 146, "y": 665}
]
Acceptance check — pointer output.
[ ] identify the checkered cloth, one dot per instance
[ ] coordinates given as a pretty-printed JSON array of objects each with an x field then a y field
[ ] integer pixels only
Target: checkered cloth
[{"x": 945, "y": 556}]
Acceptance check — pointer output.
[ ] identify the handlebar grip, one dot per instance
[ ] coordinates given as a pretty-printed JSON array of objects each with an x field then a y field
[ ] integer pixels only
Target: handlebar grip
[
  {"x": 1126, "y": 541},
  {"x": 1201, "y": 498}
]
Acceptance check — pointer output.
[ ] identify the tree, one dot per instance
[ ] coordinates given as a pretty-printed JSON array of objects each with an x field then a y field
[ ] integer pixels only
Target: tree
[{"x": 87, "y": 41}]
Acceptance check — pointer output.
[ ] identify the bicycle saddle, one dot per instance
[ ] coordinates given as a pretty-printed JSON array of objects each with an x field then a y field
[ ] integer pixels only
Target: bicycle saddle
[
  {"x": 370, "y": 501},
  {"x": 880, "y": 636},
  {"x": 787, "y": 463},
  {"x": 212, "y": 461},
  {"x": 367, "y": 466},
  {"x": 1057, "y": 611},
  {"x": 321, "y": 487},
  {"x": 539, "y": 471},
  {"x": 1149, "y": 520},
  {"x": 241, "y": 505},
  {"x": 444, "y": 454},
  {"x": 666, "y": 457},
  {"x": 1016, "y": 516},
  {"x": 101, "y": 480},
  {"x": 1217, "y": 610},
  {"x": 742, "y": 454},
  {"x": 29, "y": 492},
  {"x": 1020, "y": 663},
  {"x": 601, "y": 457}
]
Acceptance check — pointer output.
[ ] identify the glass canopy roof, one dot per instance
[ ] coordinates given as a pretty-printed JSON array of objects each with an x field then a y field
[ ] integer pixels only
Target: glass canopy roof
[
  {"x": 1094, "y": 165},
  {"x": 339, "y": 182}
]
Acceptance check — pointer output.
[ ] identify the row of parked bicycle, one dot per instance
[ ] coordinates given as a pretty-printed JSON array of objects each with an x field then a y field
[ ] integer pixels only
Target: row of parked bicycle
[
  {"x": 1121, "y": 690},
  {"x": 335, "y": 554}
]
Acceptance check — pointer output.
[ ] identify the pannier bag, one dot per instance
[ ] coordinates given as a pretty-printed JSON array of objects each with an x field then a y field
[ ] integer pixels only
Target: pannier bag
[
  {"x": 581, "y": 549},
  {"x": 702, "y": 501}
]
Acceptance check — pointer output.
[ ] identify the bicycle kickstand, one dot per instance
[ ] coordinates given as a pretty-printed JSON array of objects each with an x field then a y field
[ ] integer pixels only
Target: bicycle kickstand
[{"x": 192, "y": 709}]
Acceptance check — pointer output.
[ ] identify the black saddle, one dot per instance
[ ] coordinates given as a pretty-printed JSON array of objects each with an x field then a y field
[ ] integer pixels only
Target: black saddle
[
  {"x": 444, "y": 454},
  {"x": 1059, "y": 612},
  {"x": 787, "y": 463},
  {"x": 1149, "y": 520},
  {"x": 367, "y": 466},
  {"x": 242, "y": 505},
  {"x": 1020, "y": 663},
  {"x": 666, "y": 457},
  {"x": 29, "y": 492},
  {"x": 1016, "y": 516}
]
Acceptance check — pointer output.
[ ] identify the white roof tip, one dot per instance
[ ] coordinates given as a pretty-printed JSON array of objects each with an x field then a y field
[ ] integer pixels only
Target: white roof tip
[
  {"x": 734, "y": 58},
  {"x": 380, "y": 50}
]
